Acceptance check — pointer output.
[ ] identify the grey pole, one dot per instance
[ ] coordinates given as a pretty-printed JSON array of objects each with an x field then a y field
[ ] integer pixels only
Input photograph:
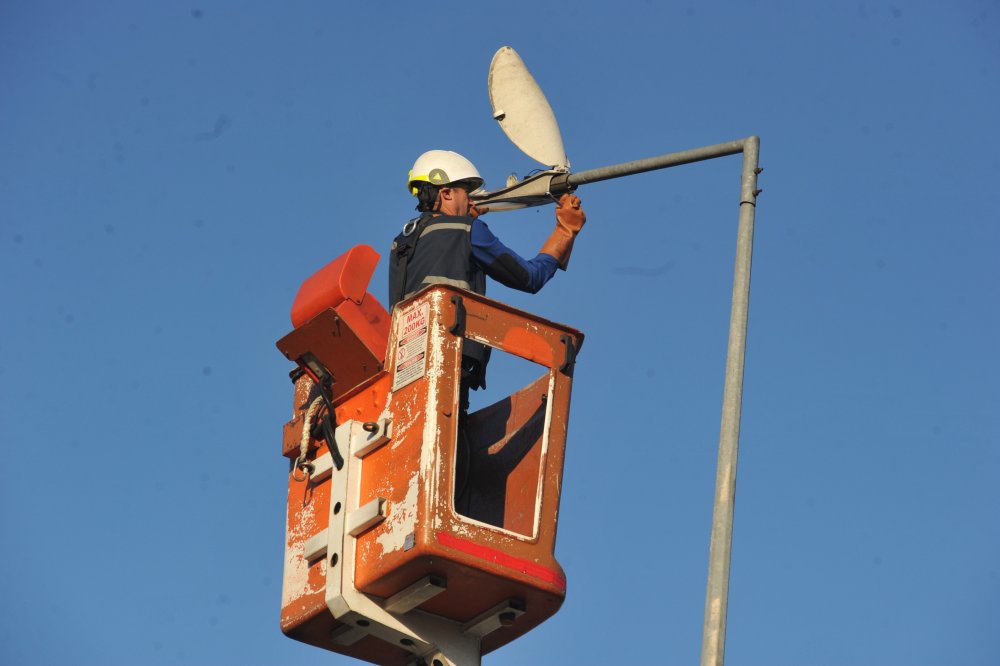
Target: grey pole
[
  {"x": 654, "y": 163},
  {"x": 720, "y": 549},
  {"x": 713, "y": 642}
]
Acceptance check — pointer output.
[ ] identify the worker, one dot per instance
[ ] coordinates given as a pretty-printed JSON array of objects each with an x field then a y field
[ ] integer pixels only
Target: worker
[{"x": 449, "y": 244}]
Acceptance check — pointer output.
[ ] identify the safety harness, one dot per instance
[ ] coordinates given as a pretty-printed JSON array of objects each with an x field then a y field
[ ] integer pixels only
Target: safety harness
[{"x": 405, "y": 247}]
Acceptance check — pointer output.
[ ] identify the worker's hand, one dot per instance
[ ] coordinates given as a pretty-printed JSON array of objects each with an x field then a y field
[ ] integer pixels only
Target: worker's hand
[
  {"x": 476, "y": 212},
  {"x": 570, "y": 218},
  {"x": 569, "y": 215}
]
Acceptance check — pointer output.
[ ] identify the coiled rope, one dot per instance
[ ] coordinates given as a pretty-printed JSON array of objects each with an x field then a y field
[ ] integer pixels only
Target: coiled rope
[{"x": 301, "y": 463}]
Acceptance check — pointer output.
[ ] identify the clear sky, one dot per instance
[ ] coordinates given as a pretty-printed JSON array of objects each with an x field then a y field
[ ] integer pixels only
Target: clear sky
[{"x": 171, "y": 172}]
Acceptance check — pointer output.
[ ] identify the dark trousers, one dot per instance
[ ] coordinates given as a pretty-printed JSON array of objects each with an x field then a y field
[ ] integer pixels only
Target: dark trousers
[{"x": 463, "y": 457}]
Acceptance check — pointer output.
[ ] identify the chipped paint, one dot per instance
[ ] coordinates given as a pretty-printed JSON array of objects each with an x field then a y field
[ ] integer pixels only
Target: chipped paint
[
  {"x": 435, "y": 371},
  {"x": 402, "y": 519},
  {"x": 295, "y": 583},
  {"x": 546, "y": 435},
  {"x": 414, "y": 473}
]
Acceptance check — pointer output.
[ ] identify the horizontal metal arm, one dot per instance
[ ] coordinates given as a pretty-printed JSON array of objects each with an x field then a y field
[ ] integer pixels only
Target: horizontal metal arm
[
  {"x": 547, "y": 186},
  {"x": 574, "y": 180}
]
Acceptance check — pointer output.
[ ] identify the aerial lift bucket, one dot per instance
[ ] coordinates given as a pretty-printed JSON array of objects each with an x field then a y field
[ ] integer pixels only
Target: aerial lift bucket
[{"x": 381, "y": 562}]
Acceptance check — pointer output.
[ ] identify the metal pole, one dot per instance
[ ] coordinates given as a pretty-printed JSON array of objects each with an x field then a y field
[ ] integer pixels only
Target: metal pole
[
  {"x": 659, "y": 162},
  {"x": 720, "y": 549},
  {"x": 713, "y": 643},
  {"x": 540, "y": 190}
]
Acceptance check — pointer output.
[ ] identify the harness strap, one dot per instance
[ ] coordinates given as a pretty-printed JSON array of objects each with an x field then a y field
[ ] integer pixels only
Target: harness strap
[
  {"x": 438, "y": 279},
  {"x": 412, "y": 231}
]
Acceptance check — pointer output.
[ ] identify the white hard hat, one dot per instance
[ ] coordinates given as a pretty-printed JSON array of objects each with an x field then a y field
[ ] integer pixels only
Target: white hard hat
[{"x": 442, "y": 168}]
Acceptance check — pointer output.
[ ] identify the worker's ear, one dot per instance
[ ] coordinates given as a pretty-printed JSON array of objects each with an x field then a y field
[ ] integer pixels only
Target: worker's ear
[{"x": 445, "y": 194}]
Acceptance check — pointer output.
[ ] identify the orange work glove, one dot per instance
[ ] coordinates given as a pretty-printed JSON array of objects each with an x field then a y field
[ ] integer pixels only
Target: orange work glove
[
  {"x": 570, "y": 219},
  {"x": 476, "y": 212},
  {"x": 569, "y": 215}
]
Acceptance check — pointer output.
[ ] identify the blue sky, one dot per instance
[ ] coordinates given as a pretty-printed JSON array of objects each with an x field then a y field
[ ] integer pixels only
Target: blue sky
[{"x": 172, "y": 172}]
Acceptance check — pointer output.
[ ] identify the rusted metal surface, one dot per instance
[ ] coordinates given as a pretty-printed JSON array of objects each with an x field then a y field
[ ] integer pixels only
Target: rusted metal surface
[{"x": 495, "y": 552}]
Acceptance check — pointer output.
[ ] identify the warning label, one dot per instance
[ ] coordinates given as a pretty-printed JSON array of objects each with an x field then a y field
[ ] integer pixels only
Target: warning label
[{"x": 411, "y": 345}]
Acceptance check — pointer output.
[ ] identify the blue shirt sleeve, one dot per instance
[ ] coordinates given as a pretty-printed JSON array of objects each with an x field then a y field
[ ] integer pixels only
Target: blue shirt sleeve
[{"x": 506, "y": 266}]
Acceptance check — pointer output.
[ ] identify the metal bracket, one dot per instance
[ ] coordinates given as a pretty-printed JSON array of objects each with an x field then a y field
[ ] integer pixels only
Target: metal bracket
[
  {"x": 435, "y": 659},
  {"x": 369, "y": 515},
  {"x": 536, "y": 190},
  {"x": 427, "y": 637},
  {"x": 322, "y": 468},
  {"x": 316, "y": 547},
  {"x": 376, "y": 434},
  {"x": 570, "y": 359},
  {"x": 458, "y": 328},
  {"x": 347, "y": 635},
  {"x": 409, "y": 598},
  {"x": 317, "y": 372},
  {"x": 501, "y": 615}
]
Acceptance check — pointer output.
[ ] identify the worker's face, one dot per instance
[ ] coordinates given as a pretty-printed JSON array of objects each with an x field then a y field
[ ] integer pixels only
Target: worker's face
[{"x": 455, "y": 200}]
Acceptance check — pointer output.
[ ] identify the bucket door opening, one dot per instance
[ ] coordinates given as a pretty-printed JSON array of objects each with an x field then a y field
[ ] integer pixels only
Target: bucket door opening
[{"x": 501, "y": 446}]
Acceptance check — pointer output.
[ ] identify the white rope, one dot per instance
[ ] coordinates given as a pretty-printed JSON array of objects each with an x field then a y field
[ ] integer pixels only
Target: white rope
[{"x": 306, "y": 428}]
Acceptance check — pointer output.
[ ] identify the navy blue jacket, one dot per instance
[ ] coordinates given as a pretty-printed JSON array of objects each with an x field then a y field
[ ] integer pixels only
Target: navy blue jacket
[{"x": 460, "y": 251}]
